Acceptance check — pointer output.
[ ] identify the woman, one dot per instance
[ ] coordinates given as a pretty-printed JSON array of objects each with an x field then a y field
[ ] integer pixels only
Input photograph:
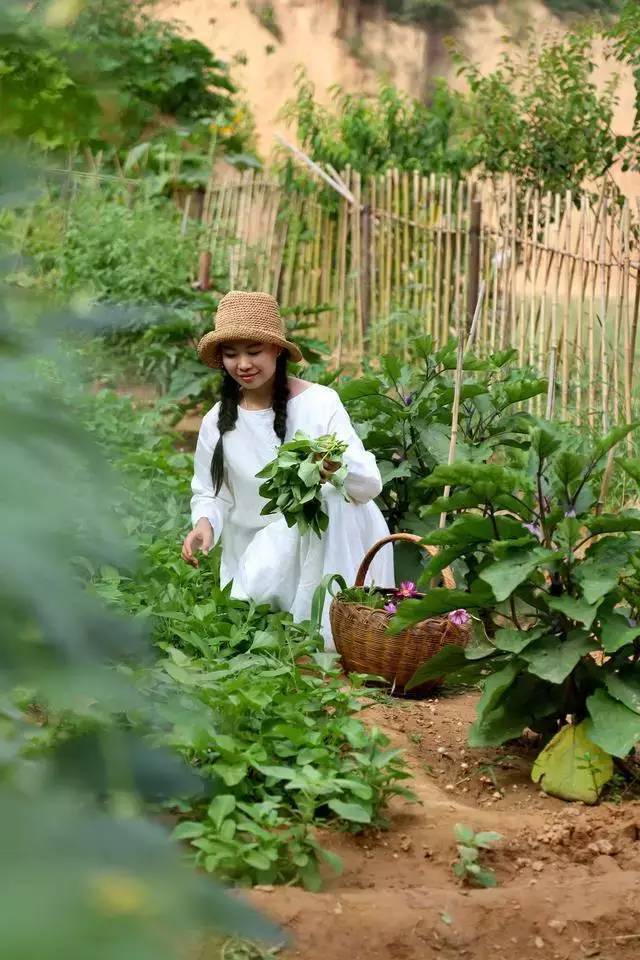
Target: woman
[{"x": 261, "y": 407}]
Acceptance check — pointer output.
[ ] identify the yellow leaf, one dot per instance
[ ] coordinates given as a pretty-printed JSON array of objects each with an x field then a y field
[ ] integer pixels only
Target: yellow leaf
[{"x": 572, "y": 767}]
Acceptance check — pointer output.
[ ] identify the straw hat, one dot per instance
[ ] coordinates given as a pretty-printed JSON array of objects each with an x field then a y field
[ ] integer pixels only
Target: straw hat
[{"x": 245, "y": 316}]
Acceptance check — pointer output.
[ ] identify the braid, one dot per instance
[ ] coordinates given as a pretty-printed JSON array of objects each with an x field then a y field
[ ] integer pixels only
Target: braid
[
  {"x": 280, "y": 397},
  {"x": 230, "y": 396},
  {"x": 228, "y": 415}
]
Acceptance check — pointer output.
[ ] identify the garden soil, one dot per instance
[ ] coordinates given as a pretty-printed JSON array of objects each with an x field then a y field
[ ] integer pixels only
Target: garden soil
[{"x": 568, "y": 875}]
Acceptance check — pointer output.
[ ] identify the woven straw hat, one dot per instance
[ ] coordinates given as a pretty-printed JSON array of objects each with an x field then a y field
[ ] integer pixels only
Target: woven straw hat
[{"x": 254, "y": 317}]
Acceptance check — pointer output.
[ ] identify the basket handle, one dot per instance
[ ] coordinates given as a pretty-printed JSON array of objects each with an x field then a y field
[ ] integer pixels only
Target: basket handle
[{"x": 363, "y": 570}]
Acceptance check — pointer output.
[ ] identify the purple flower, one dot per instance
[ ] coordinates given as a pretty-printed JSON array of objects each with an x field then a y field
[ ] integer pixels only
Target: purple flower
[
  {"x": 406, "y": 590},
  {"x": 408, "y": 400},
  {"x": 459, "y": 618},
  {"x": 632, "y": 622},
  {"x": 390, "y": 608},
  {"x": 533, "y": 529},
  {"x": 570, "y": 514}
]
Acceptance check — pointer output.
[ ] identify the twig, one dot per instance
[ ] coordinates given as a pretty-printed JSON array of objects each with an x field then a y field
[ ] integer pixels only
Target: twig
[{"x": 338, "y": 187}]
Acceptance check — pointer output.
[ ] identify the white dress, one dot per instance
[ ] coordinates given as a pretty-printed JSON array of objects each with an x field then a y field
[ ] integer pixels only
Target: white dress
[{"x": 267, "y": 561}]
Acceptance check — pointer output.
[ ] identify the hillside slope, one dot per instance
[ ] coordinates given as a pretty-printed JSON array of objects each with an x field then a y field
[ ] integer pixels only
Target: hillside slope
[{"x": 315, "y": 34}]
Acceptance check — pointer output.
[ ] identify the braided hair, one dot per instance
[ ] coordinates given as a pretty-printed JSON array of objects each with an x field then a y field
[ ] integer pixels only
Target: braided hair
[{"x": 228, "y": 414}]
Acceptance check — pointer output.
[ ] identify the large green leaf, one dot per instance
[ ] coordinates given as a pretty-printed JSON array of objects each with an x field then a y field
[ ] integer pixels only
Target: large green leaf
[
  {"x": 626, "y": 521},
  {"x": 505, "y": 576},
  {"x": 361, "y": 387},
  {"x": 625, "y": 687},
  {"x": 598, "y": 573},
  {"x": 613, "y": 726},
  {"x": 465, "y": 474},
  {"x": 448, "y": 660},
  {"x": 631, "y": 467},
  {"x": 522, "y": 705},
  {"x": 514, "y": 641},
  {"x": 572, "y": 767},
  {"x": 568, "y": 466},
  {"x": 462, "y": 500},
  {"x": 355, "y": 812},
  {"x": 494, "y": 689},
  {"x": 612, "y": 439},
  {"x": 616, "y": 632},
  {"x": 575, "y": 608},
  {"x": 553, "y": 660},
  {"x": 472, "y": 528}
]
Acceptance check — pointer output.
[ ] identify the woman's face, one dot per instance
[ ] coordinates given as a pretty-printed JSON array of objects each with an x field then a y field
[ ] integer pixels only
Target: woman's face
[{"x": 252, "y": 365}]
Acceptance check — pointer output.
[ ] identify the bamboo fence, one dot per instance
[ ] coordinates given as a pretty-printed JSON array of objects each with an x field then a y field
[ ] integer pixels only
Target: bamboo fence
[
  {"x": 401, "y": 255},
  {"x": 406, "y": 258}
]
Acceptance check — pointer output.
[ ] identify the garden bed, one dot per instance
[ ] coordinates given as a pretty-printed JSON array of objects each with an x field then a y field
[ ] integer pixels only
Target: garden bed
[{"x": 567, "y": 874}]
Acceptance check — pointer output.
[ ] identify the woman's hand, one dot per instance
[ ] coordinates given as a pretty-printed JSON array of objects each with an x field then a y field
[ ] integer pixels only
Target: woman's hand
[
  {"x": 200, "y": 538},
  {"x": 327, "y": 468}
]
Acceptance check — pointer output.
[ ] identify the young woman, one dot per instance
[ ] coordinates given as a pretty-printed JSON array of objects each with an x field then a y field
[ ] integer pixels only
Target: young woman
[{"x": 261, "y": 407}]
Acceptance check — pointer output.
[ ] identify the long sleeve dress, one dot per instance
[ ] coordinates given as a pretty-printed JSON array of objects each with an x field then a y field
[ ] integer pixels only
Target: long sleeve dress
[{"x": 267, "y": 561}]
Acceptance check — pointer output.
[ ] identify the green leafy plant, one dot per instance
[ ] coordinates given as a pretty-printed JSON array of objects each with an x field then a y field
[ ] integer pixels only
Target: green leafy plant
[
  {"x": 242, "y": 693},
  {"x": 374, "y": 134},
  {"x": 470, "y": 846},
  {"x": 364, "y": 596},
  {"x": 546, "y": 568},
  {"x": 104, "y": 73},
  {"x": 403, "y": 413},
  {"x": 541, "y": 116},
  {"x": 293, "y": 481}
]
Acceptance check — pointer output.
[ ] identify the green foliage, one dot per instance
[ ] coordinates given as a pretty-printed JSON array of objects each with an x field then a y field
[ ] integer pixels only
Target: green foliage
[
  {"x": 541, "y": 116},
  {"x": 241, "y": 692},
  {"x": 364, "y": 597},
  {"x": 470, "y": 846},
  {"x": 293, "y": 481},
  {"x": 105, "y": 76},
  {"x": 552, "y": 576},
  {"x": 443, "y": 15},
  {"x": 374, "y": 134},
  {"x": 625, "y": 35},
  {"x": 130, "y": 253},
  {"x": 83, "y": 813},
  {"x": 403, "y": 414}
]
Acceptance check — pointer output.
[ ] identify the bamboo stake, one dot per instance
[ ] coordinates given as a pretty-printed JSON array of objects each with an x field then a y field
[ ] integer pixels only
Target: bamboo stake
[
  {"x": 603, "y": 319},
  {"x": 446, "y": 311},
  {"x": 584, "y": 279},
  {"x": 439, "y": 324},
  {"x": 462, "y": 348},
  {"x": 343, "y": 227},
  {"x": 373, "y": 267},
  {"x": 566, "y": 312},
  {"x": 628, "y": 359}
]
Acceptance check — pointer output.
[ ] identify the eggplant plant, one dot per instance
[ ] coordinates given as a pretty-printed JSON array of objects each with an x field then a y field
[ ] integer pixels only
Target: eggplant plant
[{"x": 550, "y": 581}]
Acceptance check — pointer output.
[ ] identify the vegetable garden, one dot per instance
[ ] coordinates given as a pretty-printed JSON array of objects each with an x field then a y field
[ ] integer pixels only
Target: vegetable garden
[{"x": 164, "y": 743}]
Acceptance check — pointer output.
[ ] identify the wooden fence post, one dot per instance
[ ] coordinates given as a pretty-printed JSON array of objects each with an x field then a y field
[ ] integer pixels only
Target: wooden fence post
[
  {"x": 365, "y": 267},
  {"x": 473, "y": 286}
]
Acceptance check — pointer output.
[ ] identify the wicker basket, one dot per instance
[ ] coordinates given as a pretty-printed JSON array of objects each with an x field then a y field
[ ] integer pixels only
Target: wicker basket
[{"x": 361, "y": 638}]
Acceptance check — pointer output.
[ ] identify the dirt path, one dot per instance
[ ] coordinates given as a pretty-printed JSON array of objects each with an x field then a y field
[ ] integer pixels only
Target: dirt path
[{"x": 569, "y": 875}]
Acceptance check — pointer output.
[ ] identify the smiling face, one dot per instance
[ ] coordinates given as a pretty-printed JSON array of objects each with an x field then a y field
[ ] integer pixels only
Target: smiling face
[{"x": 251, "y": 364}]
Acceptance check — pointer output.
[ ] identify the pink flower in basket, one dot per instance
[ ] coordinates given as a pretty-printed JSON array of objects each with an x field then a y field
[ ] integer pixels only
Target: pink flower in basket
[
  {"x": 459, "y": 618},
  {"x": 406, "y": 590},
  {"x": 390, "y": 608}
]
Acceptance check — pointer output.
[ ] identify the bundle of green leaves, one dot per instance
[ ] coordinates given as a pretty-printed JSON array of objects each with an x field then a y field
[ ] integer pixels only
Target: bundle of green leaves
[
  {"x": 403, "y": 413},
  {"x": 552, "y": 578},
  {"x": 293, "y": 481}
]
